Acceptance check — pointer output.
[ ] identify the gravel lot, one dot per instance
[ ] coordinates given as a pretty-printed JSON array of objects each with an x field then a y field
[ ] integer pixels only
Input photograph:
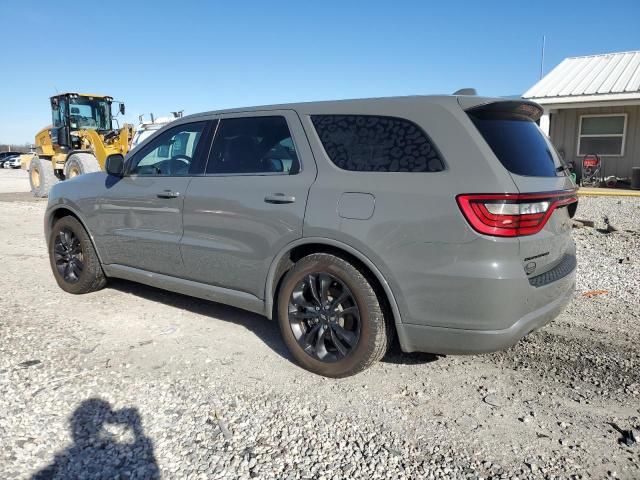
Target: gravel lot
[{"x": 134, "y": 382}]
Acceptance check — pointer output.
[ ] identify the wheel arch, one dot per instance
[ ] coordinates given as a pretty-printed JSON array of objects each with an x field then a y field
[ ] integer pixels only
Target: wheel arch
[
  {"x": 306, "y": 246},
  {"x": 65, "y": 210}
]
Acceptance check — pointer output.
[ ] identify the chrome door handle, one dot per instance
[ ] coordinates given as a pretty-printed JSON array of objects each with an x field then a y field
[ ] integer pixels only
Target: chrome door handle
[
  {"x": 168, "y": 194},
  {"x": 279, "y": 198}
]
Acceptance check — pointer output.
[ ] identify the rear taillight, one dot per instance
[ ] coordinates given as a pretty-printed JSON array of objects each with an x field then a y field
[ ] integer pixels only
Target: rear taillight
[{"x": 512, "y": 214}]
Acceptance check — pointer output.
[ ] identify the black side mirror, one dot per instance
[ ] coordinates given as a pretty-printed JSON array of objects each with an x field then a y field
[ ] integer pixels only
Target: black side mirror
[
  {"x": 114, "y": 165},
  {"x": 122, "y": 108}
]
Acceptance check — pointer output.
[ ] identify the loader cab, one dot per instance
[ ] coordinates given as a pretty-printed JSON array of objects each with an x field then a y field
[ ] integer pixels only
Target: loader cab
[{"x": 72, "y": 112}]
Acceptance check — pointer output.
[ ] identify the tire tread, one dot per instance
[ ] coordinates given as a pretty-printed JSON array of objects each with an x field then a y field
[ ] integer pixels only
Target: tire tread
[
  {"x": 87, "y": 162},
  {"x": 47, "y": 177}
]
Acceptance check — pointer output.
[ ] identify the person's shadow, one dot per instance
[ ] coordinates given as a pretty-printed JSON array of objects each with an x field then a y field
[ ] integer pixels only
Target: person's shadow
[{"x": 106, "y": 444}]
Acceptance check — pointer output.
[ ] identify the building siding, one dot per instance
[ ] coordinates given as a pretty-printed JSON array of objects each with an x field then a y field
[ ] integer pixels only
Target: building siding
[{"x": 563, "y": 132}]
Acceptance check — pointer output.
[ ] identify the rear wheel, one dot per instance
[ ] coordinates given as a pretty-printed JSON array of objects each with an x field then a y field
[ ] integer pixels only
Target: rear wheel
[
  {"x": 73, "y": 259},
  {"x": 330, "y": 317},
  {"x": 41, "y": 177},
  {"x": 79, "y": 164}
]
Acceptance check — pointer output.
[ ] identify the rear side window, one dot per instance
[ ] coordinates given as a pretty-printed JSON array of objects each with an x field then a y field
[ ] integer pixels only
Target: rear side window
[
  {"x": 518, "y": 143},
  {"x": 253, "y": 145},
  {"x": 368, "y": 143}
]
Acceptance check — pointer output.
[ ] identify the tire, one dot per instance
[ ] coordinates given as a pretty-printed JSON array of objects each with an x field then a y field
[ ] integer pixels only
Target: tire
[
  {"x": 41, "y": 177},
  {"x": 368, "y": 334},
  {"x": 79, "y": 164},
  {"x": 89, "y": 277}
]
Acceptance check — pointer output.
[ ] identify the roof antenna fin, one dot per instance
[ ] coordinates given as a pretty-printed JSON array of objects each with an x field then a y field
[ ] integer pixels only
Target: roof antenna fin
[{"x": 466, "y": 91}]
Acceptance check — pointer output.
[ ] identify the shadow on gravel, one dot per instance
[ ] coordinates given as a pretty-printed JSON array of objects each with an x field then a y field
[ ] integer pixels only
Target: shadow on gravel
[
  {"x": 398, "y": 357},
  {"x": 265, "y": 330},
  {"x": 262, "y": 328},
  {"x": 107, "y": 443}
]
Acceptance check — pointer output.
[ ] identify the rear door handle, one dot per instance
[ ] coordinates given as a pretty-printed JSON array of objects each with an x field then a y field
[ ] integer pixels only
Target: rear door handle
[
  {"x": 168, "y": 194},
  {"x": 279, "y": 198}
]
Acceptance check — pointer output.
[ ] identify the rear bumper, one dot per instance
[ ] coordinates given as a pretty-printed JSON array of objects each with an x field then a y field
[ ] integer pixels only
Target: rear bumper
[{"x": 437, "y": 339}]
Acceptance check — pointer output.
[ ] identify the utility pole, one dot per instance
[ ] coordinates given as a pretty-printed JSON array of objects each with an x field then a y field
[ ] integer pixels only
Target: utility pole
[{"x": 544, "y": 41}]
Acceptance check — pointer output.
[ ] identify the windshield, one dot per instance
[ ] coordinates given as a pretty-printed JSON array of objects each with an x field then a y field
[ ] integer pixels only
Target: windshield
[{"x": 86, "y": 112}]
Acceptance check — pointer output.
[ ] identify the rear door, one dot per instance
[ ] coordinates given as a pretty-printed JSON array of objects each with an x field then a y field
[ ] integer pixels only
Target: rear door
[
  {"x": 510, "y": 130},
  {"x": 140, "y": 221},
  {"x": 251, "y": 201}
]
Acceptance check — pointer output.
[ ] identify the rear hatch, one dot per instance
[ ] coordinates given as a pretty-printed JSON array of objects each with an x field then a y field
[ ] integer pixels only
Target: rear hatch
[{"x": 545, "y": 201}]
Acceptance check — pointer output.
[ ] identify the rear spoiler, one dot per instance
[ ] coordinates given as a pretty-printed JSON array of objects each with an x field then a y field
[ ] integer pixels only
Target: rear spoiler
[{"x": 491, "y": 106}]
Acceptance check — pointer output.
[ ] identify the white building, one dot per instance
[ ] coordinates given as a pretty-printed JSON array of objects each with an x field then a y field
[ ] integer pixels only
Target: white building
[{"x": 592, "y": 105}]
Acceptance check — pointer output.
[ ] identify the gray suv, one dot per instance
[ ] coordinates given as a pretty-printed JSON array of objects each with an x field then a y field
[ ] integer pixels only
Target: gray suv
[{"x": 444, "y": 220}]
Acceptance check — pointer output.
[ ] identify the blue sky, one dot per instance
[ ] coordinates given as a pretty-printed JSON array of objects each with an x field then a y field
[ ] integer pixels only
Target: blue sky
[{"x": 195, "y": 56}]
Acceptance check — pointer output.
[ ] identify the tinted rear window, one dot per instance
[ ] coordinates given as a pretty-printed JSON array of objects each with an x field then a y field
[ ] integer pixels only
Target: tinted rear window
[
  {"x": 369, "y": 143},
  {"x": 518, "y": 143}
]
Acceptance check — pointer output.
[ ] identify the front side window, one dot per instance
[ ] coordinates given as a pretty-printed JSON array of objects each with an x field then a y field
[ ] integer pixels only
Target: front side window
[
  {"x": 169, "y": 154},
  {"x": 89, "y": 112},
  {"x": 370, "y": 143},
  {"x": 602, "y": 134},
  {"x": 259, "y": 145}
]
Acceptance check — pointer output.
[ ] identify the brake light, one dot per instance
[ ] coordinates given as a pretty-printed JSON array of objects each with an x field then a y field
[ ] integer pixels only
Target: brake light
[{"x": 512, "y": 214}]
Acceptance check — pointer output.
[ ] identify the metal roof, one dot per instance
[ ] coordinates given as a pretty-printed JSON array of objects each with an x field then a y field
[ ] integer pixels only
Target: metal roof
[{"x": 609, "y": 76}]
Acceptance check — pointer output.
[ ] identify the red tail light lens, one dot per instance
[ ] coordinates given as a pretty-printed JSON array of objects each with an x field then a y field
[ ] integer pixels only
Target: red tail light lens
[{"x": 512, "y": 214}]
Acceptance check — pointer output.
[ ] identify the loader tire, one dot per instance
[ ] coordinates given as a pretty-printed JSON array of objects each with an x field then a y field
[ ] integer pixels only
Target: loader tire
[
  {"x": 79, "y": 164},
  {"x": 41, "y": 177}
]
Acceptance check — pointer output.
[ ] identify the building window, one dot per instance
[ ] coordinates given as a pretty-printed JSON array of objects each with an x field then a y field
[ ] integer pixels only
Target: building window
[{"x": 602, "y": 134}]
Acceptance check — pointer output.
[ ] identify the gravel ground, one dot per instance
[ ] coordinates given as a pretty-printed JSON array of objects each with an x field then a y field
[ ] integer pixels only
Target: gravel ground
[{"x": 134, "y": 382}]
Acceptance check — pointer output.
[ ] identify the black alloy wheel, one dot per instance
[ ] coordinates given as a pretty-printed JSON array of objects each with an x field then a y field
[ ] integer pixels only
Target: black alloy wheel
[
  {"x": 331, "y": 317},
  {"x": 74, "y": 262},
  {"x": 324, "y": 317},
  {"x": 68, "y": 256}
]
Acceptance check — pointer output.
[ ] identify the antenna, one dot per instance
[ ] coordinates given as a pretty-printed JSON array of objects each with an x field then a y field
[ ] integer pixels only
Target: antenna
[
  {"x": 544, "y": 42},
  {"x": 466, "y": 91}
]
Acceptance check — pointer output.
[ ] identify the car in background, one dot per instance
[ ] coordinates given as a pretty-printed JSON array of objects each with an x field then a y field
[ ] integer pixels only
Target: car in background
[
  {"x": 6, "y": 155},
  {"x": 12, "y": 162}
]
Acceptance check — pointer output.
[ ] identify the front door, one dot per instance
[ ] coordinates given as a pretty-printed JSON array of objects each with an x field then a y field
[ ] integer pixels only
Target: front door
[
  {"x": 251, "y": 201},
  {"x": 140, "y": 219}
]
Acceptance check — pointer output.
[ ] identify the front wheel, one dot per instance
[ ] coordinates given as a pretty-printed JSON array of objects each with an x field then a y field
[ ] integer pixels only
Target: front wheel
[
  {"x": 330, "y": 317},
  {"x": 79, "y": 164},
  {"x": 73, "y": 259}
]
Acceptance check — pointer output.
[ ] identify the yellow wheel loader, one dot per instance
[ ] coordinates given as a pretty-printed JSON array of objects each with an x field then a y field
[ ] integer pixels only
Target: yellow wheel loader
[{"x": 78, "y": 141}]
